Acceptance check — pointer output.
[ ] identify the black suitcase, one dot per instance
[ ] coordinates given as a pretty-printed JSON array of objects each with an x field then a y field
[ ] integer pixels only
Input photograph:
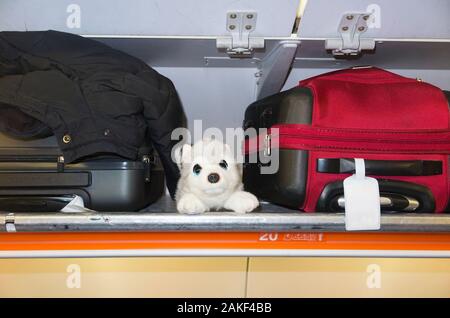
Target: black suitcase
[
  {"x": 287, "y": 187},
  {"x": 34, "y": 178}
]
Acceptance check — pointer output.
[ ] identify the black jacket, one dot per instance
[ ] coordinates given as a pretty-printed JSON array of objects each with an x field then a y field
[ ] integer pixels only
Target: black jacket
[{"x": 93, "y": 98}]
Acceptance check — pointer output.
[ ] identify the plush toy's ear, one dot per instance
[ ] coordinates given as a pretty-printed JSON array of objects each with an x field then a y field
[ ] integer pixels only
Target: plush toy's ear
[{"x": 183, "y": 155}]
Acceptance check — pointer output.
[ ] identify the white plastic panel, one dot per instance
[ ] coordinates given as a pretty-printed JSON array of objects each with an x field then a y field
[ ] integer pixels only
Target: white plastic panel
[
  {"x": 144, "y": 17},
  {"x": 399, "y": 19}
]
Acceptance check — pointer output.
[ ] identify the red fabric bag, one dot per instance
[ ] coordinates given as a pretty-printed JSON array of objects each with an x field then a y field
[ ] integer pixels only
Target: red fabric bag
[{"x": 373, "y": 114}]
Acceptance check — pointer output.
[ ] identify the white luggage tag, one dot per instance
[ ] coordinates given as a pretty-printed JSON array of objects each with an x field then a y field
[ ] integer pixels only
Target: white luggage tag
[{"x": 362, "y": 200}]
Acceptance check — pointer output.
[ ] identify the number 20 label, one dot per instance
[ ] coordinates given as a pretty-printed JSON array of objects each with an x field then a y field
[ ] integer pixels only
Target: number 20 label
[{"x": 268, "y": 237}]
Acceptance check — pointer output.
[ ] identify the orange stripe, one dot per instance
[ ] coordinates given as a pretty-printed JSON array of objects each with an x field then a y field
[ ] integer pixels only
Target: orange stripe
[{"x": 167, "y": 240}]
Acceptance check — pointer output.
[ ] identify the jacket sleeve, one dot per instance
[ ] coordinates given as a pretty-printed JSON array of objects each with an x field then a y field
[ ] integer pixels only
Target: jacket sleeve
[{"x": 163, "y": 113}]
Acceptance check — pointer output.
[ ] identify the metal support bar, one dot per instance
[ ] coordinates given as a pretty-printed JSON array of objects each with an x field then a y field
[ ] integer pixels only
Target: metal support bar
[
  {"x": 275, "y": 67},
  {"x": 213, "y": 222}
]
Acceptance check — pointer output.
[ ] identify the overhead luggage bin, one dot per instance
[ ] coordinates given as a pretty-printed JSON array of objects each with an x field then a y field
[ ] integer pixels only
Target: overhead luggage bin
[{"x": 272, "y": 46}]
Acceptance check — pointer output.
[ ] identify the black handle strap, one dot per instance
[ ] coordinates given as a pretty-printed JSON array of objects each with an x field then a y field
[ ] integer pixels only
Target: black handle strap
[
  {"x": 44, "y": 179},
  {"x": 381, "y": 167}
]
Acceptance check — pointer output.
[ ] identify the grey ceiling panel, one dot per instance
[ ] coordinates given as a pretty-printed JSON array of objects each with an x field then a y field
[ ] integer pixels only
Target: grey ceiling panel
[
  {"x": 144, "y": 17},
  {"x": 399, "y": 19}
]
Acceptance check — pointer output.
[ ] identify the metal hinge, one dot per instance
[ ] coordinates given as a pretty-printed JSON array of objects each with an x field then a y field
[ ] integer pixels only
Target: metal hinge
[
  {"x": 10, "y": 227},
  {"x": 350, "y": 43},
  {"x": 240, "y": 44}
]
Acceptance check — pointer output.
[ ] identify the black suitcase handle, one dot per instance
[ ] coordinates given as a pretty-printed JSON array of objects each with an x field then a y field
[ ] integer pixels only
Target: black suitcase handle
[
  {"x": 44, "y": 179},
  {"x": 381, "y": 167},
  {"x": 395, "y": 190}
]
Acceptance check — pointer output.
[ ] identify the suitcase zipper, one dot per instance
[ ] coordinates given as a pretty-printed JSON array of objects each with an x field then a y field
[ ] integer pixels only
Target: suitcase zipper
[{"x": 305, "y": 137}]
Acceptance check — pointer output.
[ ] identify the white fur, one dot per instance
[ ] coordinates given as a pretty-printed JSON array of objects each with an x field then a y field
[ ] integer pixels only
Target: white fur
[{"x": 195, "y": 194}]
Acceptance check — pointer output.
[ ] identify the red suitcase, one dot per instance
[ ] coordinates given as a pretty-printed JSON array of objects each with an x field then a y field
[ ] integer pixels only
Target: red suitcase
[{"x": 399, "y": 125}]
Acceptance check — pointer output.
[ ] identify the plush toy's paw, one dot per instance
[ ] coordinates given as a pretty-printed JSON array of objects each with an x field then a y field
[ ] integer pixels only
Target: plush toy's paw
[
  {"x": 190, "y": 204},
  {"x": 241, "y": 202}
]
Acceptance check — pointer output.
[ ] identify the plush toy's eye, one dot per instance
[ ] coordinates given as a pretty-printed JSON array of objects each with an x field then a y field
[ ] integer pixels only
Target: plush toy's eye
[
  {"x": 197, "y": 169},
  {"x": 223, "y": 164}
]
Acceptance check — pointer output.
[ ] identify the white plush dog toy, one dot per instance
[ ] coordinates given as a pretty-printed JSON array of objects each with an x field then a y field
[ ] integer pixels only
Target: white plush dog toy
[{"x": 210, "y": 179}]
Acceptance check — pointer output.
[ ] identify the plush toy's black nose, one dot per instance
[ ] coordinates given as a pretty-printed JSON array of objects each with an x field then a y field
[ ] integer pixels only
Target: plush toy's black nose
[{"x": 213, "y": 178}]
